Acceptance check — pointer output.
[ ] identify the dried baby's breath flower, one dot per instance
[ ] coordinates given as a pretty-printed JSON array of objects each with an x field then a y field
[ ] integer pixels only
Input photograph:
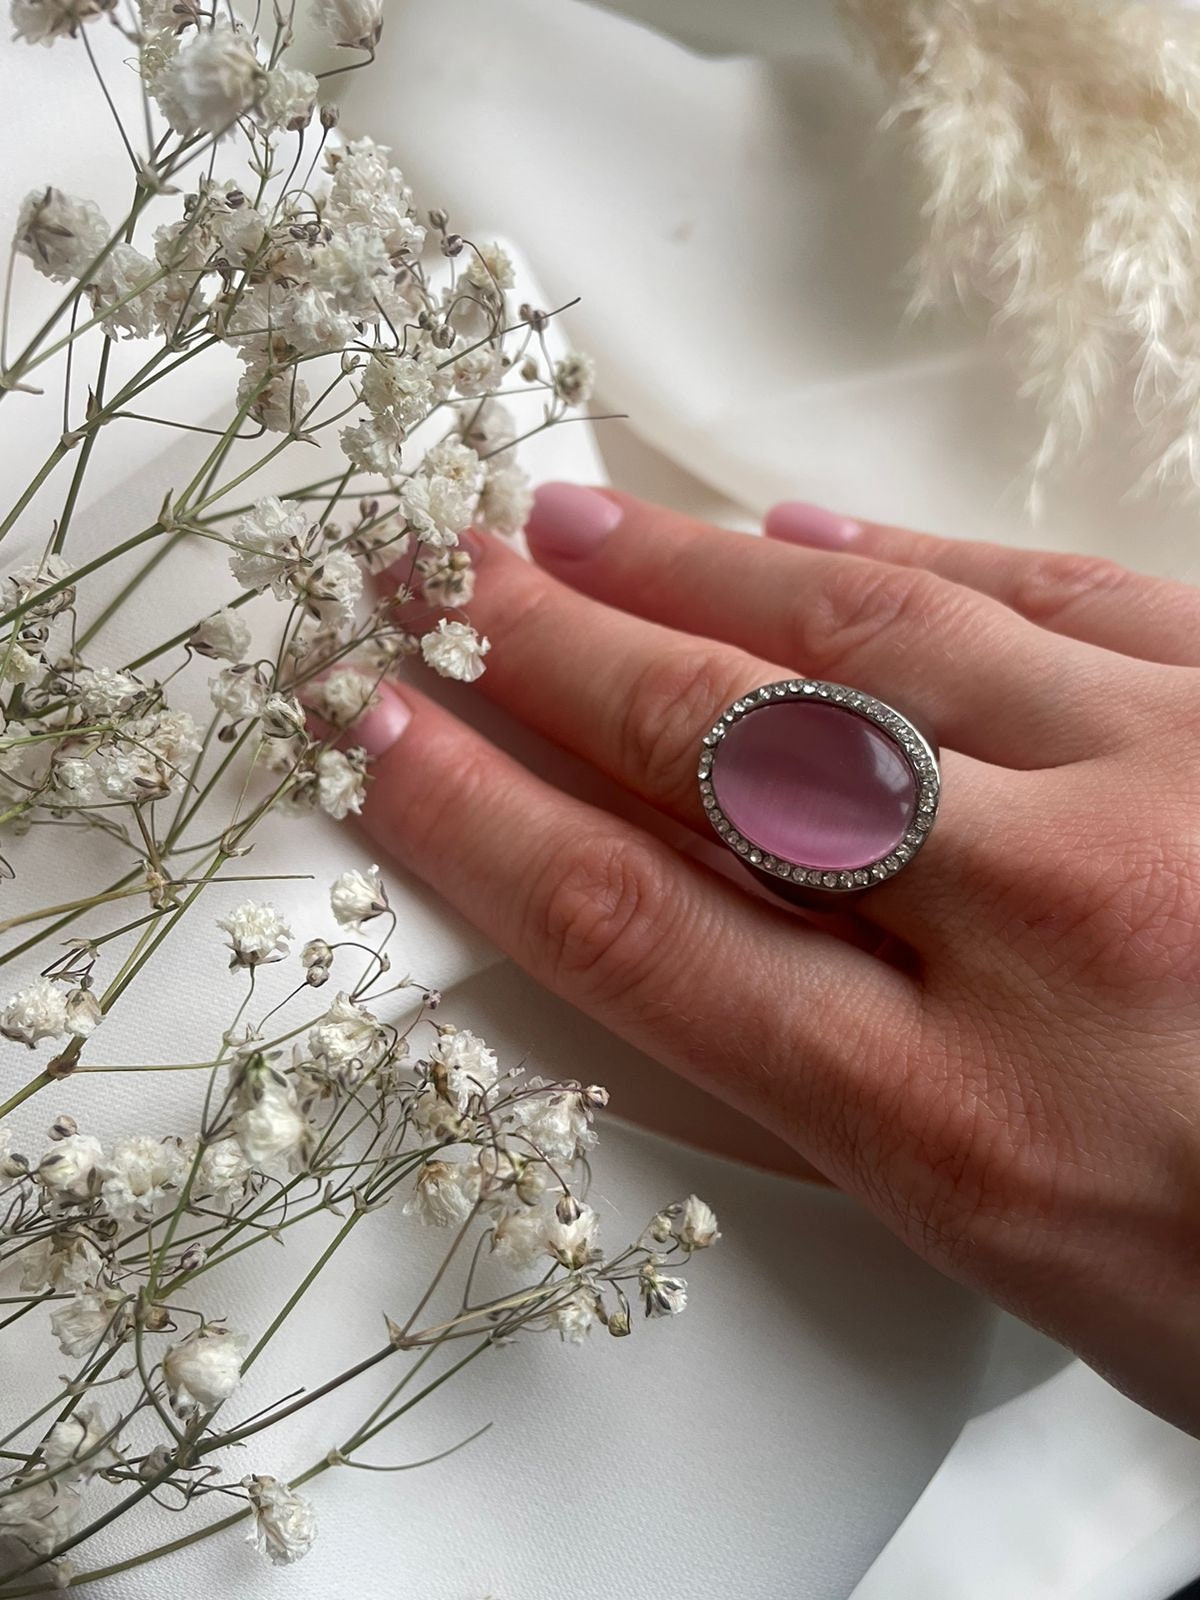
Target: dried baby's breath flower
[
  {"x": 696, "y": 1226},
  {"x": 224, "y": 635},
  {"x": 257, "y": 934},
  {"x": 285, "y": 1523},
  {"x": 455, "y": 650},
  {"x": 307, "y": 259},
  {"x": 357, "y": 896},
  {"x": 574, "y": 377},
  {"x": 353, "y": 24},
  {"x": 204, "y": 1369},
  {"x": 61, "y": 235}
]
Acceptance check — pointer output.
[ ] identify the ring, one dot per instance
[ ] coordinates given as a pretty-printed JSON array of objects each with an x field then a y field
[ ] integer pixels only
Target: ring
[{"x": 819, "y": 789}]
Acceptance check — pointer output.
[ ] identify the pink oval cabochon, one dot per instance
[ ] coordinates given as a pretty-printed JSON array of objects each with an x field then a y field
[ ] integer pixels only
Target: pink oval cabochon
[{"x": 815, "y": 784}]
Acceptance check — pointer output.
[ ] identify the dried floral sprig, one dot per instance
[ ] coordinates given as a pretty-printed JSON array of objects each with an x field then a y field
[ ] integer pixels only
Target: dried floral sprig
[{"x": 348, "y": 313}]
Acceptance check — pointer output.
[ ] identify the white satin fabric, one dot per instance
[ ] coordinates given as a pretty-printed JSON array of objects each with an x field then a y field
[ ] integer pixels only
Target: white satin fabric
[{"x": 720, "y": 218}]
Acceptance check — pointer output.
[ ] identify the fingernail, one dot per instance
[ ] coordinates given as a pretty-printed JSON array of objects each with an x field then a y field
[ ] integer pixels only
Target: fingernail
[
  {"x": 470, "y": 541},
  {"x": 383, "y": 724},
  {"x": 796, "y": 522},
  {"x": 569, "y": 521}
]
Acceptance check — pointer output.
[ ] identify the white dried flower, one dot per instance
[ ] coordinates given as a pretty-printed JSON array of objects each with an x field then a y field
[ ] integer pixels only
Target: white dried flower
[
  {"x": 288, "y": 99},
  {"x": 487, "y": 427},
  {"x": 76, "y": 1448},
  {"x": 222, "y": 1173},
  {"x": 466, "y": 1067},
  {"x": 343, "y": 695},
  {"x": 357, "y": 896},
  {"x": 490, "y": 268},
  {"x": 224, "y": 636},
  {"x": 204, "y": 1369},
  {"x": 330, "y": 588},
  {"x": 257, "y": 934},
  {"x": 141, "y": 1177},
  {"x": 399, "y": 391},
  {"x": 69, "y": 1172},
  {"x": 90, "y": 1318},
  {"x": 444, "y": 1194},
  {"x": 124, "y": 289},
  {"x": 269, "y": 543},
  {"x": 347, "y": 1033},
  {"x": 574, "y": 377},
  {"x": 341, "y": 786},
  {"x": 40, "y": 1517},
  {"x": 574, "y": 1316},
  {"x": 366, "y": 447},
  {"x": 44, "y": 21},
  {"x": 352, "y": 24},
  {"x": 354, "y": 269},
  {"x": 283, "y": 716},
  {"x": 20, "y": 665},
  {"x": 519, "y": 1237},
  {"x": 696, "y": 1227},
  {"x": 280, "y": 398},
  {"x": 271, "y": 1130},
  {"x": 367, "y": 189},
  {"x": 64, "y": 1260},
  {"x": 211, "y": 80},
  {"x": 478, "y": 371},
  {"x": 60, "y": 234},
  {"x": 455, "y": 650},
  {"x": 103, "y": 691},
  {"x": 239, "y": 691},
  {"x": 36, "y": 1013},
  {"x": 557, "y": 1122},
  {"x": 572, "y": 1241},
  {"x": 285, "y": 1523},
  {"x": 506, "y": 500},
  {"x": 662, "y": 1296},
  {"x": 83, "y": 1013},
  {"x": 28, "y": 583}
]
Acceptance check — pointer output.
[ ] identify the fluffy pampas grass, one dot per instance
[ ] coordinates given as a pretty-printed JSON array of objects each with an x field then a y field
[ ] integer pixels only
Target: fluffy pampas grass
[{"x": 1059, "y": 147}]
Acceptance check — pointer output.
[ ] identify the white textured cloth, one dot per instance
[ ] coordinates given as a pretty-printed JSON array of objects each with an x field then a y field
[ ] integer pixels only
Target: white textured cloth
[{"x": 767, "y": 1446}]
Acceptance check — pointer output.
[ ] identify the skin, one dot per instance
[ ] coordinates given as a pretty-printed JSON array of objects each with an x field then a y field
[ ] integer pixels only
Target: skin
[{"x": 998, "y": 1054}]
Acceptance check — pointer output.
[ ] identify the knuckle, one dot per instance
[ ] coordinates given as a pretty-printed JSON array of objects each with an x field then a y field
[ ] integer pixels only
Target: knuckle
[
  {"x": 1048, "y": 587},
  {"x": 597, "y": 914},
  {"x": 670, "y": 702},
  {"x": 862, "y": 600}
]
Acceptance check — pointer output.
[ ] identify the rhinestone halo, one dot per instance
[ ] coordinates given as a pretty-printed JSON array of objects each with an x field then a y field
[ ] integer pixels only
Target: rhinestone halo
[{"x": 916, "y": 749}]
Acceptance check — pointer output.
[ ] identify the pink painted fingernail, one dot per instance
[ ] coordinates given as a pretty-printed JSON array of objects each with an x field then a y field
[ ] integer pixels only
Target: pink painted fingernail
[
  {"x": 383, "y": 724},
  {"x": 569, "y": 522},
  {"x": 796, "y": 522}
]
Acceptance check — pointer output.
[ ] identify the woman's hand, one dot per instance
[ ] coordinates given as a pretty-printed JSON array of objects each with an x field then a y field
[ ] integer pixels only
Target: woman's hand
[{"x": 1002, "y": 1058}]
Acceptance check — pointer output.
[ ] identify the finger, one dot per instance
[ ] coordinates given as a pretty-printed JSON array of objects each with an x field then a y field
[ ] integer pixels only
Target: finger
[
  {"x": 667, "y": 955},
  {"x": 985, "y": 681},
  {"x": 635, "y": 699},
  {"x": 1084, "y": 597}
]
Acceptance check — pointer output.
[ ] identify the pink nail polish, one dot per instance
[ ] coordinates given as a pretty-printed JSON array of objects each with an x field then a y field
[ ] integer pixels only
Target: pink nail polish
[
  {"x": 569, "y": 522},
  {"x": 383, "y": 724},
  {"x": 796, "y": 522}
]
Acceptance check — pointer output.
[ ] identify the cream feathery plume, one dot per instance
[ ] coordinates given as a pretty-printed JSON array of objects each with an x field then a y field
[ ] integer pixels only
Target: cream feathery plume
[{"x": 1058, "y": 142}]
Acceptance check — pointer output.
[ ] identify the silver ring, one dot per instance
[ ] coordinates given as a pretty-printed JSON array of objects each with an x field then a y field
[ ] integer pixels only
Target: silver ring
[{"x": 819, "y": 789}]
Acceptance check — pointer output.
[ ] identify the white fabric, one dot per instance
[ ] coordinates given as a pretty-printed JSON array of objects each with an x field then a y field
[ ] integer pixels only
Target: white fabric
[{"x": 715, "y": 217}]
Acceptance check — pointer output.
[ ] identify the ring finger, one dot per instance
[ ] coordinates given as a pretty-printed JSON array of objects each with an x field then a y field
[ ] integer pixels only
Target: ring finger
[{"x": 634, "y": 698}]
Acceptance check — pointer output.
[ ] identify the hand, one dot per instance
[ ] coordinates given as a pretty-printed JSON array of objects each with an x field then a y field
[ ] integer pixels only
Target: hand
[{"x": 1001, "y": 1054}]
